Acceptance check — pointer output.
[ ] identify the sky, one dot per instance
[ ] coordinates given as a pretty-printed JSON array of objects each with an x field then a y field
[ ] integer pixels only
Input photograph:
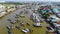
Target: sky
[{"x": 30, "y": 0}]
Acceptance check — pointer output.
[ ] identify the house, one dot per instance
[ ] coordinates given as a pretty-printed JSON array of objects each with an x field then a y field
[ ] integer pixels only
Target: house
[
  {"x": 53, "y": 19},
  {"x": 2, "y": 14},
  {"x": 57, "y": 25},
  {"x": 10, "y": 8}
]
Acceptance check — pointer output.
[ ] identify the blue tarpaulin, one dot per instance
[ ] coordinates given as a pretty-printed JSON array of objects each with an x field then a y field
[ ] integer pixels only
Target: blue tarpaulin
[
  {"x": 43, "y": 11},
  {"x": 55, "y": 10}
]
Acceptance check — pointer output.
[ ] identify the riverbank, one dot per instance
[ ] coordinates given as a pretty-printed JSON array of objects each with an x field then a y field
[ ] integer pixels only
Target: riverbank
[{"x": 5, "y": 9}]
